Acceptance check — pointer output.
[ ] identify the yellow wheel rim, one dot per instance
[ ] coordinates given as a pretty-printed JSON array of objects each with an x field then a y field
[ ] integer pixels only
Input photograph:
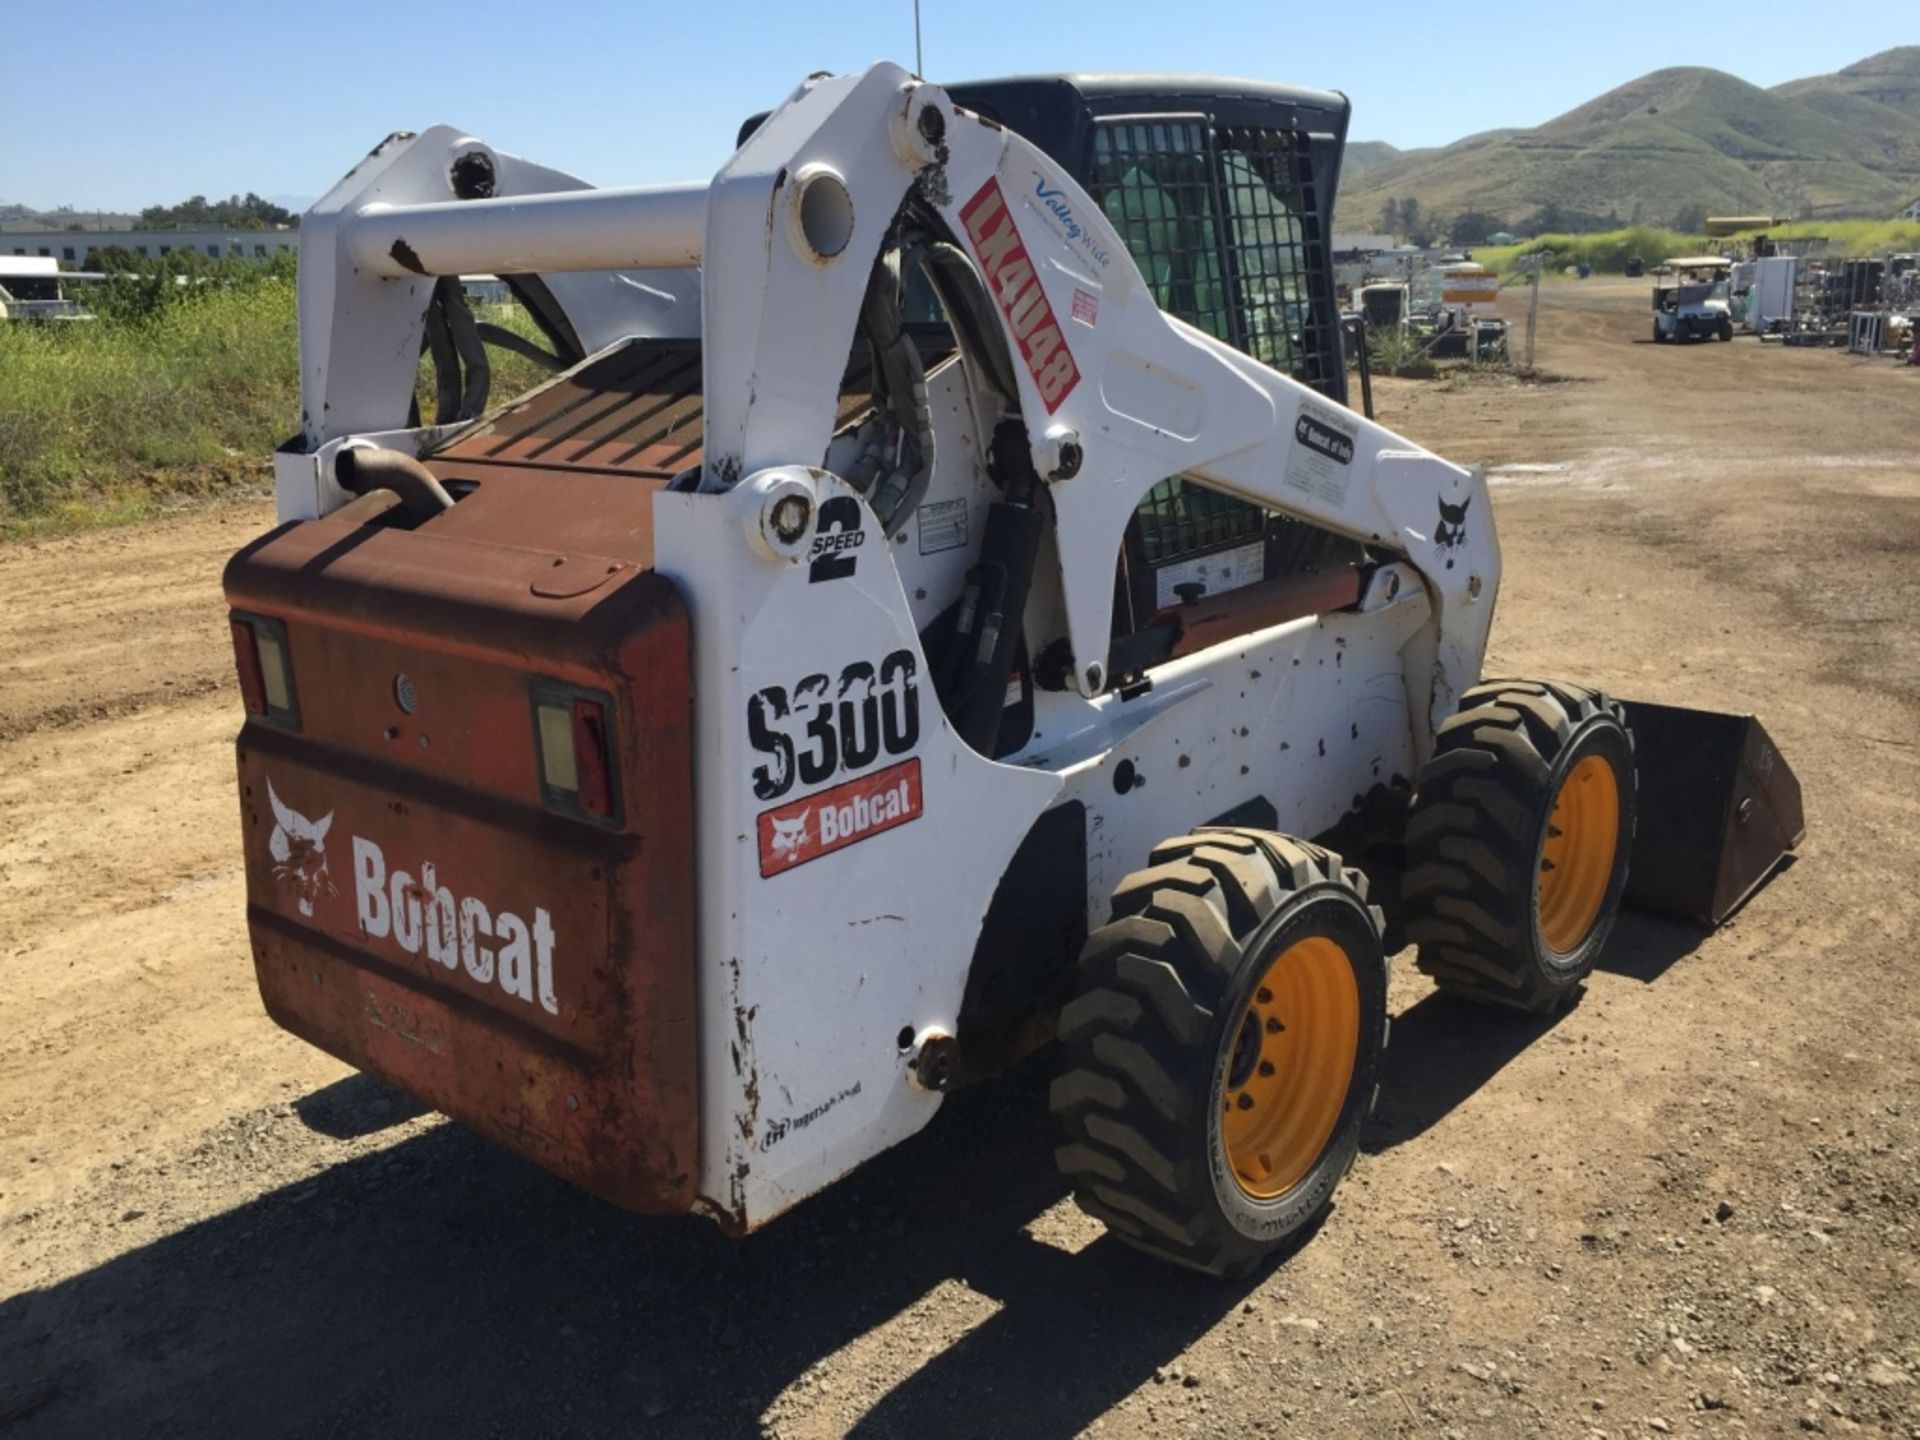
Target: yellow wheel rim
[
  {"x": 1289, "y": 1066},
  {"x": 1576, "y": 862}
]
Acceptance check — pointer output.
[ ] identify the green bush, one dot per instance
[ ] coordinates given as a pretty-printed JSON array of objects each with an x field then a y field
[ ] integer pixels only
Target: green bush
[
  {"x": 171, "y": 389},
  {"x": 1849, "y": 237},
  {"x": 1399, "y": 352},
  {"x": 1607, "y": 251},
  {"x": 182, "y": 384}
]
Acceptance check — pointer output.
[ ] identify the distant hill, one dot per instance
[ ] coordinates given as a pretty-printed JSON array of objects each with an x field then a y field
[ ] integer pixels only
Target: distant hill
[
  {"x": 25, "y": 217},
  {"x": 1673, "y": 146},
  {"x": 1363, "y": 157}
]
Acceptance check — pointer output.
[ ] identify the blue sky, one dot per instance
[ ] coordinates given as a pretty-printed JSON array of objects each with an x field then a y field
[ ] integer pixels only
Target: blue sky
[{"x": 144, "y": 103}]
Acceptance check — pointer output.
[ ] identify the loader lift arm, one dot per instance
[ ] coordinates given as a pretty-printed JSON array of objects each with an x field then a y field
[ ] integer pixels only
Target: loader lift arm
[{"x": 1113, "y": 402}]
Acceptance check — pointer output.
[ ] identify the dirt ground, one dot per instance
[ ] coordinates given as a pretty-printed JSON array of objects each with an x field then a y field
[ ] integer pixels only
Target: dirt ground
[{"x": 1691, "y": 1205}]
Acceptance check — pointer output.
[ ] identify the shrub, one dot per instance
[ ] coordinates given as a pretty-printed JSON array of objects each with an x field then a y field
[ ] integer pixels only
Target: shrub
[{"x": 170, "y": 389}]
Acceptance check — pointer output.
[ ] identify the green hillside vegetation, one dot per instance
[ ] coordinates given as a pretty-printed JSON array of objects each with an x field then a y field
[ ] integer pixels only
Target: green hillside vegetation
[
  {"x": 1363, "y": 157},
  {"x": 1673, "y": 147},
  {"x": 1607, "y": 251},
  {"x": 1850, "y": 237}
]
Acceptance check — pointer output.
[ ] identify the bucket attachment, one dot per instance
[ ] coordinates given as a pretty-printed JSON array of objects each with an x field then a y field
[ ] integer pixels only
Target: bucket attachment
[{"x": 1719, "y": 811}]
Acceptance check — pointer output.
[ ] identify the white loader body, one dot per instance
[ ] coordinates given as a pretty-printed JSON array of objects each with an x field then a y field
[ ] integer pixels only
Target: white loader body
[{"x": 849, "y": 841}]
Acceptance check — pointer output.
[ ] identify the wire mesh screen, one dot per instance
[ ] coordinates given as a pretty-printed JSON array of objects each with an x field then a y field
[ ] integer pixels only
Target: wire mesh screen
[
  {"x": 1225, "y": 229},
  {"x": 1154, "y": 179},
  {"x": 1180, "y": 518},
  {"x": 1276, "y": 249}
]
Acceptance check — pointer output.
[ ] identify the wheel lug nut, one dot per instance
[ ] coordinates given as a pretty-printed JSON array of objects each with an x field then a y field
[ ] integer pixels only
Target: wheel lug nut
[
  {"x": 1245, "y": 1102},
  {"x": 1264, "y": 995},
  {"x": 1266, "y": 1067},
  {"x": 1274, "y": 1027}
]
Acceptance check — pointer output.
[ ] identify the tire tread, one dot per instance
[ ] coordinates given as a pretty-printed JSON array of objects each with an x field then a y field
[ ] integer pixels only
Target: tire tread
[
  {"x": 1152, "y": 980},
  {"x": 1471, "y": 836}
]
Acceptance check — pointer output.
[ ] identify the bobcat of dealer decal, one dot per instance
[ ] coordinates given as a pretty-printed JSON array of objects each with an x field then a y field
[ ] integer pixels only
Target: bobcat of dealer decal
[
  {"x": 1329, "y": 442},
  {"x": 494, "y": 947},
  {"x": 1021, "y": 297},
  {"x": 811, "y": 732},
  {"x": 299, "y": 850},
  {"x": 856, "y": 810},
  {"x": 1451, "y": 533}
]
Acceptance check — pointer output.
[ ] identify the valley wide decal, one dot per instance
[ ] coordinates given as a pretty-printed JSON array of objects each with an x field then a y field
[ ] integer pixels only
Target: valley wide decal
[
  {"x": 1017, "y": 289},
  {"x": 816, "y": 825}
]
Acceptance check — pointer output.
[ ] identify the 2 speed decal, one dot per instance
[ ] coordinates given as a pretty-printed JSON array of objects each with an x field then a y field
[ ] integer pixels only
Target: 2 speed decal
[
  {"x": 836, "y": 539},
  {"x": 810, "y": 732},
  {"x": 1021, "y": 297}
]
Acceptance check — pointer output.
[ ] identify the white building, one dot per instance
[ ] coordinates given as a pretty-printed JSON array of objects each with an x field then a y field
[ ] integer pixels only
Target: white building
[{"x": 217, "y": 244}]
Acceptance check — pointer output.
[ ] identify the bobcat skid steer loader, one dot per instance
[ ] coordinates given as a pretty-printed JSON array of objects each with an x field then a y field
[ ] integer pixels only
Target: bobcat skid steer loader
[{"x": 941, "y": 604}]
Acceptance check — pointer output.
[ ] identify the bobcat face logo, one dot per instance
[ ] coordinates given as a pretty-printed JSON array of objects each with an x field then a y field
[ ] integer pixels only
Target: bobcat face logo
[
  {"x": 1451, "y": 533},
  {"x": 790, "y": 835},
  {"x": 299, "y": 850}
]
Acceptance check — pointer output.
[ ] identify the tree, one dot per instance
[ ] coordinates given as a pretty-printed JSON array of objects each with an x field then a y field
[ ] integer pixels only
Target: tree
[
  {"x": 1472, "y": 227},
  {"x": 236, "y": 212},
  {"x": 1410, "y": 218},
  {"x": 1692, "y": 220},
  {"x": 113, "y": 259},
  {"x": 1390, "y": 216}
]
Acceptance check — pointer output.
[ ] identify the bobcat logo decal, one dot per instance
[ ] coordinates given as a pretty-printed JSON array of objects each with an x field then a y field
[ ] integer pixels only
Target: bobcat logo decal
[
  {"x": 790, "y": 835},
  {"x": 299, "y": 850},
  {"x": 1452, "y": 531}
]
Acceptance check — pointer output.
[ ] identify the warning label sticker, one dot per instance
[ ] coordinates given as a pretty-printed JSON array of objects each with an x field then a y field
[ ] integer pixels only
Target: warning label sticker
[
  {"x": 1215, "y": 574},
  {"x": 1320, "y": 461},
  {"x": 943, "y": 525}
]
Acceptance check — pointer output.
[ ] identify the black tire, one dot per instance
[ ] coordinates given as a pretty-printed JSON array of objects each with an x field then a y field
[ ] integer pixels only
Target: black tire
[
  {"x": 1724, "y": 330},
  {"x": 1162, "y": 1013},
  {"x": 1478, "y": 831},
  {"x": 1659, "y": 335}
]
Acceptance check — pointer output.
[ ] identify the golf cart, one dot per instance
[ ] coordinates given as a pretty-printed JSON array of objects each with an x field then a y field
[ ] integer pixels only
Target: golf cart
[{"x": 1690, "y": 299}]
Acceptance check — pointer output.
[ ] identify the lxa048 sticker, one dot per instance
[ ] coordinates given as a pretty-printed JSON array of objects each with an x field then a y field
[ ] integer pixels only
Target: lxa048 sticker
[{"x": 812, "y": 731}]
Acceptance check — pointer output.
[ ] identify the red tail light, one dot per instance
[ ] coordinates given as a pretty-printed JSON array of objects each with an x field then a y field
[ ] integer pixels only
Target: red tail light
[
  {"x": 590, "y": 757},
  {"x": 246, "y": 658}
]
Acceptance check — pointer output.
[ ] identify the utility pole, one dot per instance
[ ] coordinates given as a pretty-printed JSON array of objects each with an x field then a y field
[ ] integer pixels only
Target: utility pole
[
  {"x": 919, "y": 65},
  {"x": 1534, "y": 264}
]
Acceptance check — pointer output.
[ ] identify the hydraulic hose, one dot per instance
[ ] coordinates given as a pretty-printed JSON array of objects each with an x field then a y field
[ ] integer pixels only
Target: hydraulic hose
[{"x": 900, "y": 383}]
